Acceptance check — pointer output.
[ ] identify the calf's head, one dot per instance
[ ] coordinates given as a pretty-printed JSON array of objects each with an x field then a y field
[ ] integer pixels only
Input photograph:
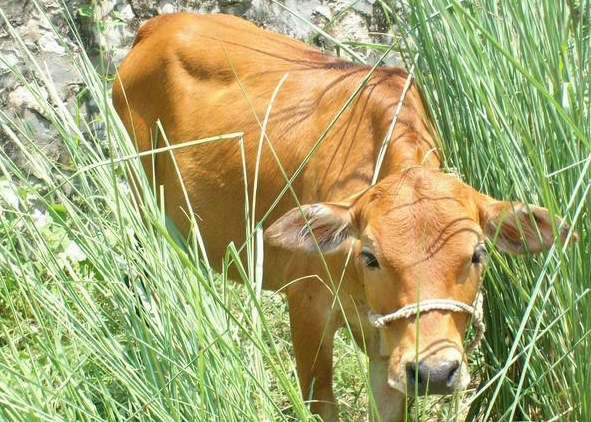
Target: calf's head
[{"x": 419, "y": 235}]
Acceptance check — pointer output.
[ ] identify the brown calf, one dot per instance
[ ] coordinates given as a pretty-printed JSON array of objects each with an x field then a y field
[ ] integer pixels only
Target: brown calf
[{"x": 417, "y": 234}]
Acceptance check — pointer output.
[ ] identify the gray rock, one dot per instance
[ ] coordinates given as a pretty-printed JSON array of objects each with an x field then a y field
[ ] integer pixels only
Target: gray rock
[
  {"x": 22, "y": 99},
  {"x": 108, "y": 29}
]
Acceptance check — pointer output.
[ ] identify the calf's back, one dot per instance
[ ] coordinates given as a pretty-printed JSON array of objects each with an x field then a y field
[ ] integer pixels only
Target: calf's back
[{"x": 207, "y": 75}]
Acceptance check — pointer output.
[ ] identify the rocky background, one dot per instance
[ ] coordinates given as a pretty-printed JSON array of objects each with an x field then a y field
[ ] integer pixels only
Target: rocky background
[{"x": 107, "y": 29}]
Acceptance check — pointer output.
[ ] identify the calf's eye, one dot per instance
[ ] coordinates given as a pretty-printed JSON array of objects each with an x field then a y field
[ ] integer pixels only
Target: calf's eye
[
  {"x": 480, "y": 255},
  {"x": 370, "y": 259}
]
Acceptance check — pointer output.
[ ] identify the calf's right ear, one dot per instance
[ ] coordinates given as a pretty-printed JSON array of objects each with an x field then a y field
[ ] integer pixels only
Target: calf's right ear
[{"x": 324, "y": 224}]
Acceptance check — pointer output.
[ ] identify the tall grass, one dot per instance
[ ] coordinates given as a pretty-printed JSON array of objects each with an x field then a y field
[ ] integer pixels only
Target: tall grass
[
  {"x": 508, "y": 85},
  {"x": 103, "y": 314},
  {"x": 106, "y": 315}
]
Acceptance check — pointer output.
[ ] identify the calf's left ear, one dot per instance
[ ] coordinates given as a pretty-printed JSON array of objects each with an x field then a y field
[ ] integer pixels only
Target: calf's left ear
[
  {"x": 519, "y": 228},
  {"x": 329, "y": 223}
]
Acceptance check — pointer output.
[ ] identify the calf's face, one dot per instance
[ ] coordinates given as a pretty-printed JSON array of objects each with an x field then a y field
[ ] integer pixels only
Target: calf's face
[{"x": 419, "y": 235}]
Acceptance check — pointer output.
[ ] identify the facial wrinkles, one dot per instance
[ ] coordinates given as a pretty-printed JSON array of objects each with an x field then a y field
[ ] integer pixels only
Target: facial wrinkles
[
  {"x": 427, "y": 253},
  {"x": 424, "y": 232},
  {"x": 418, "y": 232}
]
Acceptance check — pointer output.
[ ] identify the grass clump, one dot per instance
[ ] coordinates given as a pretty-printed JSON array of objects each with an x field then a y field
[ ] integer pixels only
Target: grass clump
[
  {"x": 104, "y": 316},
  {"x": 508, "y": 86}
]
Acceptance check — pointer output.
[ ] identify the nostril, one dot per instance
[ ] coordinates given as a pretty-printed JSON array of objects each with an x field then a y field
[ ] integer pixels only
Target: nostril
[
  {"x": 411, "y": 373},
  {"x": 414, "y": 376},
  {"x": 453, "y": 369}
]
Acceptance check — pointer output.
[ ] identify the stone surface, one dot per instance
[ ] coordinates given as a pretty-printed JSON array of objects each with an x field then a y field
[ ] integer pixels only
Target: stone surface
[
  {"x": 25, "y": 22},
  {"x": 108, "y": 27}
]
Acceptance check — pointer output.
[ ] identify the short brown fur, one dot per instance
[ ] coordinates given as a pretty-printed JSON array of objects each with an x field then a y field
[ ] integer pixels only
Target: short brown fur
[{"x": 206, "y": 75}]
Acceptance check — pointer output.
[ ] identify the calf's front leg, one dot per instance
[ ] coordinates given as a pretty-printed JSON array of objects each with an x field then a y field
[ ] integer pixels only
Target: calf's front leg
[
  {"x": 313, "y": 325},
  {"x": 389, "y": 403},
  {"x": 386, "y": 404}
]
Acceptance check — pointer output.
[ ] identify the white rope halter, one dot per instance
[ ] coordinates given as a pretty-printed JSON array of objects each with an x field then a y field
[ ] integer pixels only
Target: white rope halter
[{"x": 380, "y": 321}]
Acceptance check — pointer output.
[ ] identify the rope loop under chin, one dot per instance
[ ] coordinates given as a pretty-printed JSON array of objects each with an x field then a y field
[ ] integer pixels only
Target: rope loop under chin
[{"x": 476, "y": 310}]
